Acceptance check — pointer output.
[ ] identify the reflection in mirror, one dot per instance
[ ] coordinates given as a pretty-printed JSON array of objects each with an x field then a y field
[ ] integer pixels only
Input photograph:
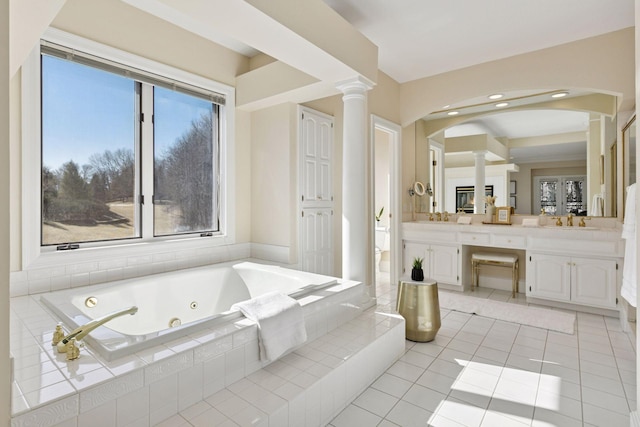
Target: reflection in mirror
[{"x": 572, "y": 140}]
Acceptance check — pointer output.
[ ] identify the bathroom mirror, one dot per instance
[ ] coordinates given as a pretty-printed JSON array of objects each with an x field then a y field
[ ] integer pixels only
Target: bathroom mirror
[{"x": 551, "y": 139}]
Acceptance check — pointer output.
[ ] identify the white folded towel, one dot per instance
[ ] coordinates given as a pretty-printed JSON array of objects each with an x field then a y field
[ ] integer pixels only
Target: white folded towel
[
  {"x": 597, "y": 206},
  {"x": 629, "y": 277},
  {"x": 280, "y": 323}
]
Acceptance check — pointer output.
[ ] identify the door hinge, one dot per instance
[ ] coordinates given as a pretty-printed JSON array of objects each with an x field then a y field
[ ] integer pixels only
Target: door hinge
[
  {"x": 303, "y": 214},
  {"x": 529, "y": 288},
  {"x": 457, "y": 278},
  {"x": 332, "y": 198},
  {"x": 434, "y": 163},
  {"x": 616, "y": 300},
  {"x": 529, "y": 257},
  {"x": 458, "y": 251},
  {"x": 303, "y": 197},
  {"x": 302, "y": 116},
  {"x": 616, "y": 265},
  {"x": 331, "y": 211},
  {"x": 141, "y": 199}
]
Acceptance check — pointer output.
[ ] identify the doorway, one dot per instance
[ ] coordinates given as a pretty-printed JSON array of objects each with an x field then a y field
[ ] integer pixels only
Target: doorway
[{"x": 386, "y": 159}]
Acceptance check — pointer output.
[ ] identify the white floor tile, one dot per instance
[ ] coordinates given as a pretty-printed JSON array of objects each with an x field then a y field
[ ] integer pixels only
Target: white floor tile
[
  {"x": 424, "y": 397},
  {"x": 461, "y": 412},
  {"x": 355, "y": 416},
  {"x": 406, "y": 414},
  {"x": 393, "y": 385},
  {"x": 376, "y": 402}
]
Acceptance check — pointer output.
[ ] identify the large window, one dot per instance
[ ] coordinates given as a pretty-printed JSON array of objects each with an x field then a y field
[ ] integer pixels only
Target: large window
[{"x": 125, "y": 154}]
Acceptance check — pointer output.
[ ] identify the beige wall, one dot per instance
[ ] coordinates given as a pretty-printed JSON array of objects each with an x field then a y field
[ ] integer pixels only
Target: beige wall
[
  {"x": 243, "y": 176},
  {"x": 273, "y": 160},
  {"x": 117, "y": 24},
  {"x": 604, "y": 63},
  {"x": 5, "y": 79}
]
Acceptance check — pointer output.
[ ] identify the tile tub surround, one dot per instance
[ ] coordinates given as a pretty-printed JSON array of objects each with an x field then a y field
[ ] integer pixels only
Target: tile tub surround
[{"x": 163, "y": 380}]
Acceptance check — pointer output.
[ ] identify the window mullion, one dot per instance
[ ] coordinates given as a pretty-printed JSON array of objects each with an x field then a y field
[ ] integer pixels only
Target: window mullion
[{"x": 147, "y": 161}]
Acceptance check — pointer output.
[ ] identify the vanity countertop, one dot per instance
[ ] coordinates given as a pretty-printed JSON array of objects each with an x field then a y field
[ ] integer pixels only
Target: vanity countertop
[{"x": 604, "y": 241}]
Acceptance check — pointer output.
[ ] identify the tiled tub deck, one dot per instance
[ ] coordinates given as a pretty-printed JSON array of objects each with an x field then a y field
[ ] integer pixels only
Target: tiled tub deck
[{"x": 347, "y": 349}]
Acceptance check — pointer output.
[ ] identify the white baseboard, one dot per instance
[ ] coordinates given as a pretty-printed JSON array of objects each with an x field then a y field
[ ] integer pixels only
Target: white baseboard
[{"x": 279, "y": 254}]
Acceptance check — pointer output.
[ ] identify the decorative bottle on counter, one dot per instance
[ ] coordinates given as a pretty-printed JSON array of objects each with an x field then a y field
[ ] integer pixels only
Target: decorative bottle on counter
[{"x": 490, "y": 213}]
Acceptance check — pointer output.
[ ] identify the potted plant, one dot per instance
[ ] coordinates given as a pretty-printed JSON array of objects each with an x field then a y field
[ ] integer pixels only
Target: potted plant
[
  {"x": 379, "y": 215},
  {"x": 417, "y": 275}
]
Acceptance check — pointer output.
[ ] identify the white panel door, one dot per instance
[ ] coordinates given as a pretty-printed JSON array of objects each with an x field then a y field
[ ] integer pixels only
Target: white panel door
[
  {"x": 316, "y": 201},
  {"x": 317, "y": 153},
  {"x": 317, "y": 250}
]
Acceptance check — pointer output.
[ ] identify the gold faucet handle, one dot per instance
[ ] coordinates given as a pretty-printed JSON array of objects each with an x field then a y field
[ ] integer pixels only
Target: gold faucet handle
[
  {"x": 558, "y": 220},
  {"x": 582, "y": 221},
  {"x": 430, "y": 216},
  {"x": 446, "y": 216},
  {"x": 58, "y": 335}
]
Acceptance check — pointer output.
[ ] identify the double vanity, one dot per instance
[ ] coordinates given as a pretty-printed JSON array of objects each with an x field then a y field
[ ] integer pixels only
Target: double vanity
[{"x": 559, "y": 265}]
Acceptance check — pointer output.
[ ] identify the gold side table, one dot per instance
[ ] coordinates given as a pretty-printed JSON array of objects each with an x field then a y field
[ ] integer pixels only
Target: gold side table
[{"x": 418, "y": 303}]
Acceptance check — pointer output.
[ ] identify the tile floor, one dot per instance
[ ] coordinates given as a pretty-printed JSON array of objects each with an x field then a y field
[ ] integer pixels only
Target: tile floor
[{"x": 483, "y": 372}]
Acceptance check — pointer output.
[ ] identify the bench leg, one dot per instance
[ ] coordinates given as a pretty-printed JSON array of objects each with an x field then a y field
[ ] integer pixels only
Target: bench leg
[
  {"x": 474, "y": 275},
  {"x": 514, "y": 279}
]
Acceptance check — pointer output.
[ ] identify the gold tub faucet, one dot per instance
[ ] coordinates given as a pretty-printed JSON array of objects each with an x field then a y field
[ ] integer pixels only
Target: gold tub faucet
[{"x": 81, "y": 331}]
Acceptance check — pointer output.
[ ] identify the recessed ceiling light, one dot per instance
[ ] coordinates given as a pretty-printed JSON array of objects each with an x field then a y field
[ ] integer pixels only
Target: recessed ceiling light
[
  {"x": 496, "y": 96},
  {"x": 560, "y": 94},
  {"x": 444, "y": 107},
  {"x": 502, "y": 104},
  {"x": 453, "y": 113}
]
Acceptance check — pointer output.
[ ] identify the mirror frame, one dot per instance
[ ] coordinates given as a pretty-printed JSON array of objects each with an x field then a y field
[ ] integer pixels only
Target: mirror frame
[{"x": 627, "y": 179}]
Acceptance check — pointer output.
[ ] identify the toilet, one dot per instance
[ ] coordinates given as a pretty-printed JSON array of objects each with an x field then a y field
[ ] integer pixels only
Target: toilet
[{"x": 381, "y": 244}]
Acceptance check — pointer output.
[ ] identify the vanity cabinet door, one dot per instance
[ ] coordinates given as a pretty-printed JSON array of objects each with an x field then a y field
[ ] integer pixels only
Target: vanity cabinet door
[
  {"x": 549, "y": 276},
  {"x": 415, "y": 250},
  {"x": 444, "y": 264},
  {"x": 593, "y": 282},
  {"x": 440, "y": 262}
]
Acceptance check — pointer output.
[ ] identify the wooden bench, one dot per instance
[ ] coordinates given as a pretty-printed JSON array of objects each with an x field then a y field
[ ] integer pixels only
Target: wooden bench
[{"x": 496, "y": 259}]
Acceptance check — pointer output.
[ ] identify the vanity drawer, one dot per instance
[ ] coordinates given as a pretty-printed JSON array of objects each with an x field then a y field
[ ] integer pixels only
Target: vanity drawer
[
  {"x": 507, "y": 241},
  {"x": 474, "y": 238}
]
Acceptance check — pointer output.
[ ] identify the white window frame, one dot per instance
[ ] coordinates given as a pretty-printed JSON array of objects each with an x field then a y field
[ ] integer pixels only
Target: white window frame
[{"x": 35, "y": 256}]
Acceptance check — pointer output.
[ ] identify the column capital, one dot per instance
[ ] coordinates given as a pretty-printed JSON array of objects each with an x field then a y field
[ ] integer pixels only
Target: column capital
[{"x": 355, "y": 86}]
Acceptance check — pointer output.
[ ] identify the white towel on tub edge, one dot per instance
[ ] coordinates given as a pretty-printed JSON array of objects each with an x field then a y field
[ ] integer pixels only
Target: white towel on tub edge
[{"x": 280, "y": 322}]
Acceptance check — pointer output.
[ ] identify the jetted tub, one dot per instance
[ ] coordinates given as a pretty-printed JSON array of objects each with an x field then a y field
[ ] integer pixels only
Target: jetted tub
[{"x": 172, "y": 305}]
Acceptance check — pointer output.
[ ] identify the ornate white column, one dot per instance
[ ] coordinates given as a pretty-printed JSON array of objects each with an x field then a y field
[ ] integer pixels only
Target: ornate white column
[
  {"x": 355, "y": 239},
  {"x": 478, "y": 191}
]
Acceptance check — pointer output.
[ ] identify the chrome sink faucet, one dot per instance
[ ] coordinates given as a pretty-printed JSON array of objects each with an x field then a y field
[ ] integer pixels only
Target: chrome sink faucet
[{"x": 81, "y": 331}]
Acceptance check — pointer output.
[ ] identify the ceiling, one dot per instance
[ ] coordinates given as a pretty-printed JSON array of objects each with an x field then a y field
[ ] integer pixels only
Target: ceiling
[
  {"x": 425, "y": 38},
  {"x": 418, "y": 38}
]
